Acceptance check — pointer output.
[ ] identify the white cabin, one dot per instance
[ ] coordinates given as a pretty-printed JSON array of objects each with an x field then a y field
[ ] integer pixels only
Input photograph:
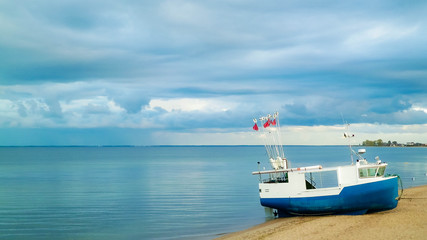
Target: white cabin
[{"x": 317, "y": 181}]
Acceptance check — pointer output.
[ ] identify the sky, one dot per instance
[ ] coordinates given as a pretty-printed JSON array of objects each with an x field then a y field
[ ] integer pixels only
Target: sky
[{"x": 184, "y": 72}]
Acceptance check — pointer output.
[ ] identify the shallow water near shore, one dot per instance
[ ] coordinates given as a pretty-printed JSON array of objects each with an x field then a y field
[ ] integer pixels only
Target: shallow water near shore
[{"x": 153, "y": 192}]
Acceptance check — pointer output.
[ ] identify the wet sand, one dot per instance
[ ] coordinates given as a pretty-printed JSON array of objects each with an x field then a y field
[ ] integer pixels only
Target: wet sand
[{"x": 407, "y": 221}]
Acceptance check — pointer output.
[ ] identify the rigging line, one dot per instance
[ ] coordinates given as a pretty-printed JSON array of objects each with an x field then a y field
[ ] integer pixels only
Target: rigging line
[
  {"x": 279, "y": 142},
  {"x": 276, "y": 142},
  {"x": 282, "y": 153},
  {"x": 266, "y": 137},
  {"x": 271, "y": 138},
  {"x": 279, "y": 134},
  {"x": 272, "y": 143}
]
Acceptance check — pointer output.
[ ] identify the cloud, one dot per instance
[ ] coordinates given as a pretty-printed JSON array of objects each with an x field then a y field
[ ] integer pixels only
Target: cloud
[
  {"x": 181, "y": 66},
  {"x": 97, "y": 105},
  {"x": 379, "y": 34},
  {"x": 118, "y": 105},
  {"x": 96, "y": 112},
  {"x": 190, "y": 105},
  {"x": 419, "y": 109}
]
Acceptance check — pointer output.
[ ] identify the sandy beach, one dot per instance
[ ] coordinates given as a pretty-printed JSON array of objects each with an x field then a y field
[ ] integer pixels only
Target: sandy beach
[{"x": 407, "y": 221}]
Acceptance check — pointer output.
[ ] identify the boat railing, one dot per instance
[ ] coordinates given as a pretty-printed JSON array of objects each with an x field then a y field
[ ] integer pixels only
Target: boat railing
[
  {"x": 317, "y": 167},
  {"x": 281, "y": 175}
]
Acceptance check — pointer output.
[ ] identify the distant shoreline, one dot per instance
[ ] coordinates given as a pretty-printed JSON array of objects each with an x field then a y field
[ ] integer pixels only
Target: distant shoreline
[
  {"x": 381, "y": 143},
  {"x": 403, "y": 146}
]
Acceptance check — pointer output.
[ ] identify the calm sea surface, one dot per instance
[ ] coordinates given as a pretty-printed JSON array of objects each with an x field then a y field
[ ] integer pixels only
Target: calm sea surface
[{"x": 153, "y": 192}]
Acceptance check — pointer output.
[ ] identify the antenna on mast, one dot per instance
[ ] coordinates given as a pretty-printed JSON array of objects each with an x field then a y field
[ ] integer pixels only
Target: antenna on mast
[{"x": 348, "y": 136}]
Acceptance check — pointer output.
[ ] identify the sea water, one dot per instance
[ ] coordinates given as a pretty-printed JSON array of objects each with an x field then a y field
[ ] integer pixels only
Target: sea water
[{"x": 153, "y": 192}]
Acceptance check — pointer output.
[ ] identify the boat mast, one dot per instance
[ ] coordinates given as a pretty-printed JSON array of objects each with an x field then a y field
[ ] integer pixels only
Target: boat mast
[
  {"x": 348, "y": 136},
  {"x": 270, "y": 129}
]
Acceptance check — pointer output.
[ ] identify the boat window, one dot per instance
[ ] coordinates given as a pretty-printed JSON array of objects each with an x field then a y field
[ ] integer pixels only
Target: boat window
[
  {"x": 371, "y": 172},
  {"x": 277, "y": 178},
  {"x": 381, "y": 171},
  {"x": 363, "y": 172},
  {"x": 323, "y": 179}
]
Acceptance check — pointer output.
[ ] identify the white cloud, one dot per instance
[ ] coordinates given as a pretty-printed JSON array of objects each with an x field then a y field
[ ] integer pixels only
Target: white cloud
[
  {"x": 190, "y": 105},
  {"x": 34, "y": 105},
  {"x": 9, "y": 113},
  {"x": 184, "y": 12},
  {"x": 98, "y": 104},
  {"x": 285, "y": 57},
  {"x": 98, "y": 111},
  {"x": 419, "y": 109},
  {"x": 373, "y": 35},
  {"x": 7, "y": 107},
  {"x": 27, "y": 112}
]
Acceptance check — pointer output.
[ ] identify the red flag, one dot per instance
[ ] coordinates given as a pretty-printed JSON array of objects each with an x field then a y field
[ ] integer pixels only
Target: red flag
[
  {"x": 273, "y": 122},
  {"x": 267, "y": 124},
  {"x": 255, "y": 127}
]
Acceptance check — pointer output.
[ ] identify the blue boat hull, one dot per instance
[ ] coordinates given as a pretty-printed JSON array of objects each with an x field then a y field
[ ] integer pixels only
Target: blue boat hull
[{"x": 357, "y": 199}]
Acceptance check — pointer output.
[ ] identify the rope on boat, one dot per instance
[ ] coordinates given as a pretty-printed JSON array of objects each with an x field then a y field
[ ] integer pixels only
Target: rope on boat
[
  {"x": 401, "y": 187},
  {"x": 400, "y": 184}
]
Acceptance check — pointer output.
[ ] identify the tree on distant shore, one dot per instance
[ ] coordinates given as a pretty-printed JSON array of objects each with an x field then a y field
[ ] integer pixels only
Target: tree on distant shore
[{"x": 378, "y": 142}]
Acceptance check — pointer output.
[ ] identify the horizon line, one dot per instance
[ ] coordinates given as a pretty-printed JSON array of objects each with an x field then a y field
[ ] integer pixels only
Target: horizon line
[{"x": 174, "y": 145}]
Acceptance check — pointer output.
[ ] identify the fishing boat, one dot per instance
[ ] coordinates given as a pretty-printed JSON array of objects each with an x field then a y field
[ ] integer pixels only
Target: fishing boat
[{"x": 352, "y": 189}]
